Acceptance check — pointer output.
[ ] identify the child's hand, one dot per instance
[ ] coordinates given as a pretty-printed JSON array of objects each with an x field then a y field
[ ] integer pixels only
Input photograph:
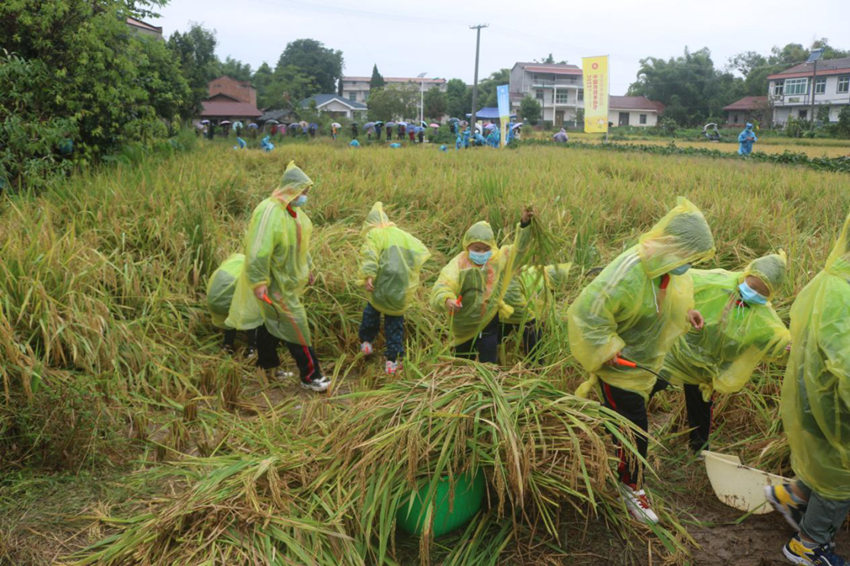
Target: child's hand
[
  {"x": 527, "y": 215},
  {"x": 695, "y": 319},
  {"x": 452, "y": 306},
  {"x": 370, "y": 285},
  {"x": 261, "y": 291}
]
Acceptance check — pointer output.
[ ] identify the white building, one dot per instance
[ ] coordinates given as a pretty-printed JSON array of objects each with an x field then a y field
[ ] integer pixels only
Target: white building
[
  {"x": 790, "y": 92},
  {"x": 633, "y": 111},
  {"x": 357, "y": 88},
  {"x": 336, "y": 106},
  {"x": 557, "y": 87}
]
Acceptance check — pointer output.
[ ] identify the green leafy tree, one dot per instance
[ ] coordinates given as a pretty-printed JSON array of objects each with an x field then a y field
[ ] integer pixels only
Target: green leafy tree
[
  {"x": 109, "y": 85},
  {"x": 530, "y": 110},
  {"x": 435, "y": 103},
  {"x": 263, "y": 81},
  {"x": 235, "y": 69},
  {"x": 393, "y": 102},
  {"x": 487, "y": 88},
  {"x": 312, "y": 59},
  {"x": 843, "y": 126},
  {"x": 458, "y": 98},
  {"x": 195, "y": 52},
  {"x": 377, "y": 80}
]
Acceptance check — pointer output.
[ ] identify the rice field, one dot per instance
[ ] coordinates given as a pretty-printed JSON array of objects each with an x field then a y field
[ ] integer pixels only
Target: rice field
[{"x": 121, "y": 415}]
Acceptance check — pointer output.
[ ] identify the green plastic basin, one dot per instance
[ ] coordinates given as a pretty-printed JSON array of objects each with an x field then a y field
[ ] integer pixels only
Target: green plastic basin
[{"x": 468, "y": 497}]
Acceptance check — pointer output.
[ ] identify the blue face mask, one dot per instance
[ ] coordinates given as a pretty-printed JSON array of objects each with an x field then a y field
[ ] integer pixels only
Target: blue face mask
[
  {"x": 681, "y": 270},
  {"x": 751, "y": 297},
  {"x": 301, "y": 200},
  {"x": 479, "y": 258}
]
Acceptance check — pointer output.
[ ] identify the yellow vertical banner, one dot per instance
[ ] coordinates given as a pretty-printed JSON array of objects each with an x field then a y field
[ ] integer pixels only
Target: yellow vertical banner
[{"x": 595, "y": 75}]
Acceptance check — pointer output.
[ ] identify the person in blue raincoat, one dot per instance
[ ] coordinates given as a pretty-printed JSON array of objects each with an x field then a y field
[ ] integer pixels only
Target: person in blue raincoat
[
  {"x": 267, "y": 144},
  {"x": 746, "y": 139}
]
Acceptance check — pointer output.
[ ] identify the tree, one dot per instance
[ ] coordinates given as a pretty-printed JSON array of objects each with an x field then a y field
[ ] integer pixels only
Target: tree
[
  {"x": 435, "y": 103},
  {"x": 530, "y": 110},
  {"x": 458, "y": 98},
  {"x": 312, "y": 59},
  {"x": 377, "y": 80},
  {"x": 235, "y": 69},
  {"x": 843, "y": 126},
  {"x": 74, "y": 71},
  {"x": 394, "y": 101},
  {"x": 689, "y": 86},
  {"x": 262, "y": 80},
  {"x": 487, "y": 88},
  {"x": 195, "y": 52}
]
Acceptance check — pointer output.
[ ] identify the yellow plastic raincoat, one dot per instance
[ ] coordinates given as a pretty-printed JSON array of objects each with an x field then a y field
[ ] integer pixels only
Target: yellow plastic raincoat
[
  {"x": 527, "y": 291},
  {"x": 276, "y": 254},
  {"x": 815, "y": 403},
  {"x": 736, "y": 337},
  {"x": 481, "y": 288},
  {"x": 624, "y": 309},
  {"x": 221, "y": 286},
  {"x": 393, "y": 259}
]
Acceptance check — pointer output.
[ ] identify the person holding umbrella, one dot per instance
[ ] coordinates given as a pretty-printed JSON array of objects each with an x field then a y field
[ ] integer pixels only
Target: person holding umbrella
[
  {"x": 275, "y": 275},
  {"x": 378, "y": 126},
  {"x": 623, "y": 323},
  {"x": 354, "y": 130},
  {"x": 389, "y": 126}
]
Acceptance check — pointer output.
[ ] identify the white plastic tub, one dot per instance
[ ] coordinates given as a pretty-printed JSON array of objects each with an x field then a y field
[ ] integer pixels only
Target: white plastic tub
[{"x": 737, "y": 485}]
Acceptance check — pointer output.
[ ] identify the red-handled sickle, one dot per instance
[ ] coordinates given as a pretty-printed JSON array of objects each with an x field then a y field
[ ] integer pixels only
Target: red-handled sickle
[{"x": 630, "y": 364}]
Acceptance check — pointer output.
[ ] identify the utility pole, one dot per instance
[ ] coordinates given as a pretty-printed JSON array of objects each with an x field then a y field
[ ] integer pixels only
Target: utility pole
[
  {"x": 475, "y": 83},
  {"x": 813, "y": 58}
]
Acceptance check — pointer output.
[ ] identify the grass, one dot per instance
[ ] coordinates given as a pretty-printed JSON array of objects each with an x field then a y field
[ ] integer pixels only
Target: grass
[{"x": 111, "y": 363}]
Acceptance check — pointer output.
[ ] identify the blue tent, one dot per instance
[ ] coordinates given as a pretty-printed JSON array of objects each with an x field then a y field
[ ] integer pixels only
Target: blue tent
[{"x": 488, "y": 113}]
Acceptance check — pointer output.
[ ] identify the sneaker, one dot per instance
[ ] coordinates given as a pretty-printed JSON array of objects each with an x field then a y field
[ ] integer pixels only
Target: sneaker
[
  {"x": 278, "y": 373},
  {"x": 393, "y": 367},
  {"x": 783, "y": 500},
  {"x": 366, "y": 348},
  {"x": 319, "y": 384},
  {"x": 638, "y": 504},
  {"x": 822, "y": 555}
]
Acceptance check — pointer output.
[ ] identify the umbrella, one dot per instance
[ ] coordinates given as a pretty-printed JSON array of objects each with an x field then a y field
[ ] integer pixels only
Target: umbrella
[
  {"x": 423, "y": 123},
  {"x": 237, "y": 124},
  {"x": 224, "y": 122},
  {"x": 253, "y": 125},
  {"x": 390, "y": 124},
  {"x": 303, "y": 124},
  {"x": 489, "y": 126},
  {"x": 336, "y": 125},
  {"x": 418, "y": 129},
  {"x": 454, "y": 120},
  {"x": 272, "y": 122},
  {"x": 401, "y": 124},
  {"x": 205, "y": 121},
  {"x": 379, "y": 123},
  {"x": 368, "y": 125},
  {"x": 464, "y": 123},
  {"x": 434, "y": 125},
  {"x": 517, "y": 125}
]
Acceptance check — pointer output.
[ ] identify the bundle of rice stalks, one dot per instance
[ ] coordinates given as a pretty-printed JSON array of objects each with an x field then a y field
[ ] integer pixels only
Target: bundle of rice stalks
[{"x": 330, "y": 482}]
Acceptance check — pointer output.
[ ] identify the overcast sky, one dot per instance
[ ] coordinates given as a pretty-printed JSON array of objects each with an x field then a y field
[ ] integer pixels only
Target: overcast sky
[{"x": 407, "y": 38}]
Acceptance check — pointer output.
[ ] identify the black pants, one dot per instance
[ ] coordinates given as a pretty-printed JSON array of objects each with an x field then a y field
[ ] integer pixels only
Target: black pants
[
  {"x": 230, "y": 338},
  {"x": 532, "y": 332},
  {"x": 633, "y": 407},
  {"x": 699, "y": 418},
  {"x": 485, "y": 346},
  {"x": 305, "y": 356}
]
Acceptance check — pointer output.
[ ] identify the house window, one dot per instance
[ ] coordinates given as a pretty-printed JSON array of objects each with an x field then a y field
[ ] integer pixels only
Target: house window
[
  {"x": 843, "y": 84},
  {"x": 352, "y": 96},
  {"x": 643, "y": 118},
  {"x": 778, "y": 88},
  {"x": 538, "y": 93},
  {"x": 796, "y": 86},
  {"x": 802, "y": 114},
  {"x": 820, "y": 85},
  {"x": 580, "y": 95},
  {"x": 561, "y": 97}
]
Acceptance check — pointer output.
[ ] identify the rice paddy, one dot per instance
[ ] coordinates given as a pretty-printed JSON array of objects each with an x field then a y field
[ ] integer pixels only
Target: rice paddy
[{"x": 112, "y": 369}]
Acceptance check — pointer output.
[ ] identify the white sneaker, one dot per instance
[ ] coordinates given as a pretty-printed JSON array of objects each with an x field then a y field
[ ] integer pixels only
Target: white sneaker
[
  {"x": 393, "y": 367},
  {"x": 638, "y": 504},
  {"x": 366, "y": 348},
  {"x": 319, "y": 384}
]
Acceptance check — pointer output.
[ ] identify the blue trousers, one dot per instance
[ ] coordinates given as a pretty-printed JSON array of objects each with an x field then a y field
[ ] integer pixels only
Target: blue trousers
[{"x": 370, "y": 325}]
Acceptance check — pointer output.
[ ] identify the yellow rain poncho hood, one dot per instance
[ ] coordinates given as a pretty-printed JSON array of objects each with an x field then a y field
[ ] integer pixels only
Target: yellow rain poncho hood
[
  {"x": 625, "y": 309},
  {"x": 393, "y": 259},
  {"x": 531, "y": 288},
  {"x": 293, "y": 182},
  {"x": 770, "y": 269},
  {"x": 221, "y": 286},
  {"x": 815, "y": 404},
  {"x": 481, "y": 288},
  {"x": 735, "y": 339},
  {"x": 277, "y": 254}
]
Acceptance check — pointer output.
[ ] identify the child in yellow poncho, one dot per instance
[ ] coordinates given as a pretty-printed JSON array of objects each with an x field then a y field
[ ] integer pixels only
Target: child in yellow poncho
[
  {"x": 471, "y": 288},
  {"x": 390, "y": 262}
]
